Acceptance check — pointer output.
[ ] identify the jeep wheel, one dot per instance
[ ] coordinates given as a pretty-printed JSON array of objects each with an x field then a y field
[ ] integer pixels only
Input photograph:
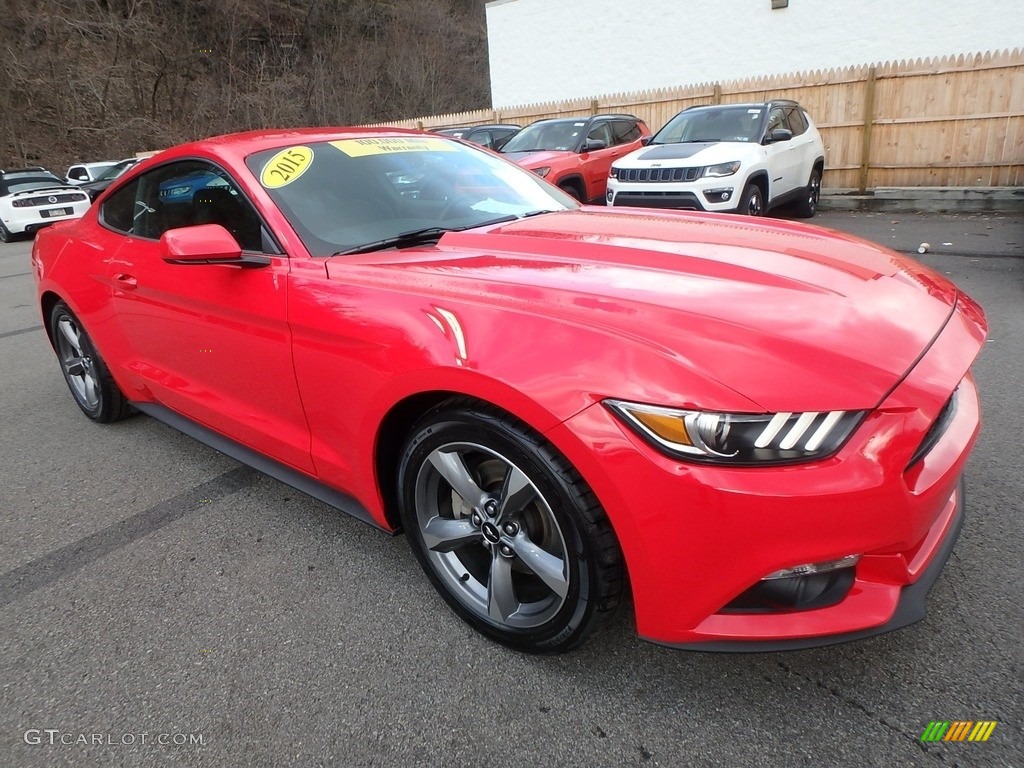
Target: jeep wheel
[
  {"x": 808, "y": 205},
  {"x": 572, "y": 190},
  {"x": 752, "y": 202}
]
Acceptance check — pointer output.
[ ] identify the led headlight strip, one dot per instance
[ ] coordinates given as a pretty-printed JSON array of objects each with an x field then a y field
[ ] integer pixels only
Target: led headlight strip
[{"x": 739, "y": 438}]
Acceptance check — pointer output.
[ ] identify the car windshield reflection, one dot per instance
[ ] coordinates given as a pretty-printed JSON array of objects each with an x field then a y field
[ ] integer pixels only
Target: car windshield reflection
[
  {"x": 357, "y": 195},
  {"x": 712, "y": 125},
  {"x": 547, "y": 136}
]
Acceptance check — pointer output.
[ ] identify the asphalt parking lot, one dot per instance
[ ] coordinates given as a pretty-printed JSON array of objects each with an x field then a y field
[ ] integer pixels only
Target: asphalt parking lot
[{"x": 149, "y": 585}]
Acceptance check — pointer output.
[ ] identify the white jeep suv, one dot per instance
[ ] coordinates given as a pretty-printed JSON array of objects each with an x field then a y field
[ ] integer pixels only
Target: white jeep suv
[
  {"x": 33, "y": 198},
  {"x": 744, "y": 158}
]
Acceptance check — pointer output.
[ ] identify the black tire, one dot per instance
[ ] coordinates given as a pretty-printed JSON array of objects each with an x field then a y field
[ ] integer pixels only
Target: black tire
[
  {"x": 752, "y": 201},
  {"x": 530, "y": 558},
  {"x": 6, "y": 236},
  {"x": 808, "y": 205},
  {"x": 86, "y": 374},
  {"x": 572, "y": 190}
]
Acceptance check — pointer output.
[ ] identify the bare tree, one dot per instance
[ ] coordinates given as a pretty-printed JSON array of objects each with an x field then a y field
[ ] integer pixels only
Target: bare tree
[{"x": 102, "y": 79}]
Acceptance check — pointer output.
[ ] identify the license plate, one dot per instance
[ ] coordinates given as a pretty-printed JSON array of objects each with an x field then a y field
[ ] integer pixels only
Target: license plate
[{"x": 50, "y": 213}]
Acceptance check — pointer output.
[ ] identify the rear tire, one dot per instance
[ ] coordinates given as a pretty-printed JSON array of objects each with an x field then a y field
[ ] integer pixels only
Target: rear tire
[
  {"x": 6, "y": 236},
  {"x": 86, "y": 374},
  {"x": 808, "y": 205},
  {"x": 506, "y": 530}
]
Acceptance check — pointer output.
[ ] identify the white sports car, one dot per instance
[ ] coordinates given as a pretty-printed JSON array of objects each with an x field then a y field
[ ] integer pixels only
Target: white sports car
[{"x": 33, "y": 198}]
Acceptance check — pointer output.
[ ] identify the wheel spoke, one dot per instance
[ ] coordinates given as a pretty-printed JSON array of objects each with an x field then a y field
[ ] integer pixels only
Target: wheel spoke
[
  {"x": 90, "y": 388},
  {"x": 443, "y": 534},
  {"x": 501, "y": 596},
  {"x": 451, "y": 467},
  {"x": 549, "y": 568},
  {"x": 69, "y": 333},
  {"x": 516, "y": 492}
]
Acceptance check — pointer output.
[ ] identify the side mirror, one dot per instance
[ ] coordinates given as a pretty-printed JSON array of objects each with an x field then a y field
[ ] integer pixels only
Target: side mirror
[
  {"x": 205, "y": 244},
  {"x": 592, "y": 145},
  {"x": 645, "y": 140},
  {"x": 780, "y": 134}
]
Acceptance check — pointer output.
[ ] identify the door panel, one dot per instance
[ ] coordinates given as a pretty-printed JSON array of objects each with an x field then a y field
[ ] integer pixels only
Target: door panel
[{"x": 210, "y": 341}]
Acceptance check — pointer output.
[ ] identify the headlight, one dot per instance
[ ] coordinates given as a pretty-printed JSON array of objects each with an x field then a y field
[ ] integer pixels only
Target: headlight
[
  {"x": 542, "y": 172},
  {"x": 613, "y": 172},
  {"x": 722, "y": 169},
  {"x": 743, "y": 439}
]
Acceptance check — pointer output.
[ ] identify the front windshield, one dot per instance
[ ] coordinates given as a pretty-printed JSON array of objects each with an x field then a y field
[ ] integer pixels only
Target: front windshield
[
  {"x": 30, "y": 183},
  {"x": 341, "y": 195},
  {"x": 115, "y": 170},
  {"x": 742, "y": 123},
  {"x": 548, "y": 135}
]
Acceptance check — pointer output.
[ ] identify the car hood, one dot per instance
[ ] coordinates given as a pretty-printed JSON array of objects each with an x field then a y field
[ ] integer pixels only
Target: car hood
[
  {"x": 792, "y": 317},
  {"x": 688, "y": 154},
  {"x": 537, "y": 159}
]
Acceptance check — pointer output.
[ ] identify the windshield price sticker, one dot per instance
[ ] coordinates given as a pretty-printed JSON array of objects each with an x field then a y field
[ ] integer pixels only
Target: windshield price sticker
[
  {"x": 286, "y": 166},
  {"x": 386, "y": 145}
]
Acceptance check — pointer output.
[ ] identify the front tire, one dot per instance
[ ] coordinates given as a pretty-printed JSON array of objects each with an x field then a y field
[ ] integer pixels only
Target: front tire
[
  {"x": 86, "y": 374},
  {"x": 752, "y": 201},
  {"x": 572, "y": 190},
  {"x": 506, "y": 530},
  {"x": 808, "y": 205}
]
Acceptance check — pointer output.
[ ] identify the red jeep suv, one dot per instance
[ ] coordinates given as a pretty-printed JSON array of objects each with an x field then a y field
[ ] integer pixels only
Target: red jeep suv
[{"x": 576, "y": 153}]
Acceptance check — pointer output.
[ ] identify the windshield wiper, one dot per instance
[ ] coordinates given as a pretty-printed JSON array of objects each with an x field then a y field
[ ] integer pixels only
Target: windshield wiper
[
  {"x": 402, "y": 240},
  {"x": 427, "y": 235}
]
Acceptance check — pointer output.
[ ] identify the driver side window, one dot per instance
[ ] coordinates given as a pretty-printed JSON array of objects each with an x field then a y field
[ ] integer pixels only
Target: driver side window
[
  {"x": 776, "y": 119},
  {"x": 601, "y": 132},
  {"x": 183, "y": 194}
]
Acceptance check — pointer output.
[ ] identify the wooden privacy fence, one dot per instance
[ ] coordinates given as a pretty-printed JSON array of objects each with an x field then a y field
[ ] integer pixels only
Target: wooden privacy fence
[{"x": 956, "y": 121}]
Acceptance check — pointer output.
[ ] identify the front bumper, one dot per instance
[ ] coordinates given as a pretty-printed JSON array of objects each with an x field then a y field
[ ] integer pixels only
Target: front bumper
[
  {"x": 697, "y": 537},
  {"x": 721, "y": 195},
  {"x": 910, "y": 604}
]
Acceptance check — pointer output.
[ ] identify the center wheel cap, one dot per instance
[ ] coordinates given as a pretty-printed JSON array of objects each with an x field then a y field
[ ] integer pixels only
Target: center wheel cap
[{"x": 490, "y": 532}]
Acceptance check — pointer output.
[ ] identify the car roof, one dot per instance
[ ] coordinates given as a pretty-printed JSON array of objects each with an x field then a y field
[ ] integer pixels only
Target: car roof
[
  {"x": 33, "y": 170},
  {"x": 750, "y": 104},
  {"x": 474, "y": 127},
  {"x": 585, "y": 118}
]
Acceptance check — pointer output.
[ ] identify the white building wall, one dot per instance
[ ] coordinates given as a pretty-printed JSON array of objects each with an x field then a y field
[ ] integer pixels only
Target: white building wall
[{"x": 548, "y": 50}]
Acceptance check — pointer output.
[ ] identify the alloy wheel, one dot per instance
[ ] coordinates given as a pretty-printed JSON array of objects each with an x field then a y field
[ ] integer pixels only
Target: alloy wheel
[{"x": 491, "y": 536}]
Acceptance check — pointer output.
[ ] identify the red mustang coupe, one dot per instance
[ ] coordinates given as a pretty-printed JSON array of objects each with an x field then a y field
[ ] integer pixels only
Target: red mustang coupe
[{"x": 763, "y": 424}]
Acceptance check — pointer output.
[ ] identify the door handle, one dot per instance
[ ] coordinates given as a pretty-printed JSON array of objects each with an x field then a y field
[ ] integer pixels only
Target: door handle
[{"x": 126, "y": 281}]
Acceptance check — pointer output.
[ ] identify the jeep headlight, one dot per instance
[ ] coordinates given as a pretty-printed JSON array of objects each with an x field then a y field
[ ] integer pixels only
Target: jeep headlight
[
  {"x": 742, "y": 439},
  {"x": 722, "y": 169}
]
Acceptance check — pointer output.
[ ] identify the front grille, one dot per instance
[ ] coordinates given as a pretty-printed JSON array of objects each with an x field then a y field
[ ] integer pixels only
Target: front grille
[
  {"x": 658, "y": 174},
  {"x": 936, "y": 431},
  {"x": 33, "y": 202}
]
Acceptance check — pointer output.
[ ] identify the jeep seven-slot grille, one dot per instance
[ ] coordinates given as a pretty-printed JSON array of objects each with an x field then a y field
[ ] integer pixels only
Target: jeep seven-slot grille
[{"x": 658, "y": 174}]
